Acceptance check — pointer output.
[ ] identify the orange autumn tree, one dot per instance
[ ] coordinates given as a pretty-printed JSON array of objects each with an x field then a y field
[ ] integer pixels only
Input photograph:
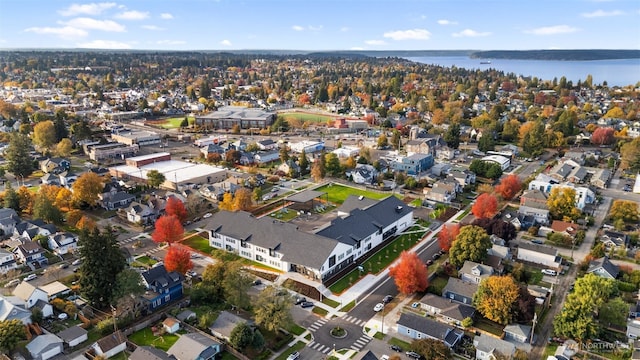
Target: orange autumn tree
[
  {"x": 167, "y": 229},
  {"x": 446, "y": 236},
  {"x": 176, "y": 208},
  {"x": 509, "y": 186},
  {"x": 486, "y": 206},
  {"x": 178, "y": 259},
  {"x": 410, "y": 274}
]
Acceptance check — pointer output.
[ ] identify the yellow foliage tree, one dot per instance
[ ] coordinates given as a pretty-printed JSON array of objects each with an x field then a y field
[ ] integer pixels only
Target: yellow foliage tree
[
  {"x": 64, "y": 148},
  {"x": 615, "y": 113},
  {"x": 227, "y": 202},
  {"x": 87, "y": 188},
  {"x": 495, "y": 297},
  {"x": 561, "y": 203},
  {"x": 243, "y": 199},
  {"x": 64, "y": 199},
  {"x": 25, "y": 198}
]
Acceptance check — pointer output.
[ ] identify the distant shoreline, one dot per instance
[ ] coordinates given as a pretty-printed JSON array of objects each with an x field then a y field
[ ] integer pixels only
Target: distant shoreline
[{"x": 562, "y": 55}]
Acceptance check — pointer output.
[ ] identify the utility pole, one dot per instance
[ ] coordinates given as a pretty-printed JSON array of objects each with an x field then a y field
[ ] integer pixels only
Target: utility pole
[{"x": 533, "y": 328}]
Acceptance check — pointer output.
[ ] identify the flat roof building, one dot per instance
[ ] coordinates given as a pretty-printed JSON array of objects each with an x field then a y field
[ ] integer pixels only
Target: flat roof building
[
  {"x": 141, "y": 138},
  {"x": 228, "y": 116},
  {"x": 503, "y": 161}
]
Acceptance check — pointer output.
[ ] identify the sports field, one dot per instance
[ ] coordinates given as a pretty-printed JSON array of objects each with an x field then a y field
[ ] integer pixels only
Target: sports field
[
  {"x": 305, "y": 117},
  {"x": 174, "y": 123}
]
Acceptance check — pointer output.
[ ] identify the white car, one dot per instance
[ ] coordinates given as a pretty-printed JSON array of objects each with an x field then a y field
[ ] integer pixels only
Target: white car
[
  {"x": 207, "y": 215},
  {"x": 63, "y": 316},
  {"x": 378, "y": 307},
  {"x": 30, "y": 277},
  {"x": 549, "y": 272}
]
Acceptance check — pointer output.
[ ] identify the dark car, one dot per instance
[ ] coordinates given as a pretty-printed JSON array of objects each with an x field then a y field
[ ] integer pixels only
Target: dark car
[
  {"x": 306, "y": 304},
  {"x": 387, "y": 299},
  {"x": 436, "y": 256},
  {"x": 300, "y": 300},
  {"x": 257, "y": 282},
  {"x": 429, "y": 262},
  {"x": 395, "y": 348}
]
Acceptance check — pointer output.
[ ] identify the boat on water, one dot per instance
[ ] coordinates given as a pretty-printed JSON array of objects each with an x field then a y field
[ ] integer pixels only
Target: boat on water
[{"x": 485, "y": 62}]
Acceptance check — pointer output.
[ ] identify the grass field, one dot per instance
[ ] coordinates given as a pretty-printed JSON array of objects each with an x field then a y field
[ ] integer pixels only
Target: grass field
[
  {"x": 198, "y": 243},
  {"x": 339, "y": 193},
  {"x": 174, "y": 123},
  {"x": 302, "y": 117},
  {"x": 145, "y": 337}
]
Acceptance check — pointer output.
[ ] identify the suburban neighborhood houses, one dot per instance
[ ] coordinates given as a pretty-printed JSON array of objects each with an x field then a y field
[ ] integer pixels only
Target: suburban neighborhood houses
[{"x": 206, "y": 206}]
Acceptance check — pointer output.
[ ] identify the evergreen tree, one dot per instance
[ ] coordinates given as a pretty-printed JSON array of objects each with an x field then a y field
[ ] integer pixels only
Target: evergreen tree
[
  {"x": 19, "y": 161},
  {"x": 11, "y": 198},
  {"x": 303, "y": 162},
  {"x": 101, "y": 263},
  {"x": 60, "y": 128},
  {"x": 452, "y": 136}
]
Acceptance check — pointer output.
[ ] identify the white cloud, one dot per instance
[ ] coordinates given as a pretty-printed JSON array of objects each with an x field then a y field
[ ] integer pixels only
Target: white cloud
[
  {"x": 375, "y": 42},
  {"x": 297, "y": 28},
  {"x": 166, "y": 16},
  {"x": 225, "y": 43},
  {"x": 89, "y": 9},
  {"x": 315, "y": 28},
  {"x": 104, "y": 44},
  {"x": 413, "y": 34},
  {"x": 93, "y": 24},
  {"x": 470, "y": 33},
  {"x": 602, "y": 13},
  {"x": 552, "y": 30},
  {"x": 133, "y": 15},
  {"x": 171, "y": 42},
  {"x": 344, "y": 29},
  {"x": 152, "y": 27},
  {"x": 66, "y": 32},
  {"x": 447, "y": 22}
]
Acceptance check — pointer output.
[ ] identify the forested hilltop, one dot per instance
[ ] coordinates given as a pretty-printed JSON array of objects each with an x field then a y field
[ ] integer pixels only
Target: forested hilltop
[{"x": 566, "y": 55}]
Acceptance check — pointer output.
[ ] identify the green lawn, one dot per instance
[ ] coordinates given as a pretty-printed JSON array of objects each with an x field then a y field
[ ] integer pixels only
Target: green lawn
[
  {"x": 349, "y": 306},
  {"x": 145, "y": 260},
  {"x": 488, "y": 326},
  {"x": 296, "y": 347},
  {"x": 339, "y": 193},
  {"x": 379, "y": 260},
  {"x": 332, "y": 303},
  {"x": 305, "y": 117},
  {"x": 437, "y": 285},
  {"x": 145, "y": 337},
  {"x": 320, "y": 311},
  {"x": 403, "y": 344},
  {"x": 284, "y": 216},
  {"x": 174, "y": 123},
  {"x": 198, "y": 243},
  {"x": 296, "y": 329}
]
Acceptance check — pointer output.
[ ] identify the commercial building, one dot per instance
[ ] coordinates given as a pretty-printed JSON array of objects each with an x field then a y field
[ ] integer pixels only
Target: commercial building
[
  {"x": 112, "y": 151},
  {"x": 503, "y": 161},
  {"x": 228, "y": 116},
  {"x": 142, "y": 138}
]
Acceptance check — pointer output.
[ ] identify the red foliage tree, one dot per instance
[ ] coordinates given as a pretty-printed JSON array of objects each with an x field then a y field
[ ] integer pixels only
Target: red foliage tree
[
  {"x": 602, "y": 136},
  {"x": 176, "y": 208},
  {"x": 167, "y": 229},
  {"x": 509, "y": 186},
  {"x": 178, "y": 259},
  {"x": 486, "y": 206},
  {"x": 446, "y": 236},
  {"x": 410, "y": 274}
]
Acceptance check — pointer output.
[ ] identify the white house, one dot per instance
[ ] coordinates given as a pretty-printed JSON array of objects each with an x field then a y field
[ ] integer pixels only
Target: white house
[
  {"x": 110, "y": 345},
  {"x": 539, "y": 254},
  {"x": 7, "y": 261},
  {"x": 45, "y": 346},
  {"x": 73, "y": 335},
  {"x": 30, "y": 294},
  {"x": 63, "y": 242},
  {"x": 171, "y": 325},
  {"x": 487, "y": 347},
  {"x": 10, "y": 309},
  {"x": 419, "y": 327},
  {"x": 474, "y": 272}
]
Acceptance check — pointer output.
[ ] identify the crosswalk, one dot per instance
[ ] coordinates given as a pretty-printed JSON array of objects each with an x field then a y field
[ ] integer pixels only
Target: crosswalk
[
  {"x": 325, "y": 349},
  {"x": 318, "y": 324},
  {"x": 354, "y": 320},
  {"x": 361, "y": 342}
]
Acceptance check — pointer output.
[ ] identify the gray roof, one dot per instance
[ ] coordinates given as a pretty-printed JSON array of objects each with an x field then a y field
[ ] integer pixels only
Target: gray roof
[
  {"x": 356, "y": 202},
  {"x": 305, "y": 196},
  {"x": 226, "y": 322},
  {"x": 518, "y": 330},
  {"x": 185, "y": 315},
  {"x": 42, "y": 343},
  {"x": 111, "y": 341},
  {"x": 362, "y": 223},
  {"x": 368, "y": 355},
  {"x": 296, "y": 246},
  {"x": 469, "y": 266},
  {"x": 191, "y": 346},
  {"x": 543, "y": 249},
  {"x": 71, "y": 333},
  {"x": 430, "y": 327},
  {"x": 460, "y": 287},
  {"x": 150, "y": 353},
  {"x": 10, "y": 311},
  {"x": 448, "y": 308},
  {"x": 606, "y": 265},
  {"x": 120, "y": 196},
  {"x": 490, "y": 344}
]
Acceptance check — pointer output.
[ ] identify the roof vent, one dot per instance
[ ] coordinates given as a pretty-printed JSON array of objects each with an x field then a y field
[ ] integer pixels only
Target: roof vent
[{"x": 398, "y": 209}]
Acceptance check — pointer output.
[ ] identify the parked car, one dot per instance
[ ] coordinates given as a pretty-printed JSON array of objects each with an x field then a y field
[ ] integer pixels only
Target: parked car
[
  {"x": 429, "y": 262},
  {"x": 63, "y": 266},
  {"x": 207, "y": 215},
  {"x": 415, "y": 305},
  {"x": 257, "y": 282},
  {"x": 294, "y": 356},
  {"x": 436, "y": 256},
  {"x": 395, "y": 348},
  {"x": 378, "y": 307},
  {"x": 549, "y": 272},
  {"x": 30, "y": 277},
  {"x": 12, "y": 283},
  {"x": 76, "y": 262},
  {"x": 300, "y": 300},
  {"x": 306, "y": 304},
  {"x": 387, "y": 299},
  {"x": 413, "y": 355}
]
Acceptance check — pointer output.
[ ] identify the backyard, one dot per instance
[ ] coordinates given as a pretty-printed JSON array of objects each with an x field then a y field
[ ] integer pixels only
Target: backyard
[
  {"x": 145, "y": 337},
  {"x": 199, "y": 243}
]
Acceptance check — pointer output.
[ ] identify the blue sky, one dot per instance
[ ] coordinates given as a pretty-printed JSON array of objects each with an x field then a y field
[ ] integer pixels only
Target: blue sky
[{"x": 321, "y": 24}]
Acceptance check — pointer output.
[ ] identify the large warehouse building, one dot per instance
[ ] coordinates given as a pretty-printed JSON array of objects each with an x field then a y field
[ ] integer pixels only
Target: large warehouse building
[
  {"x": 228, "y": 116},
  {"x": 176, "y": 172}
]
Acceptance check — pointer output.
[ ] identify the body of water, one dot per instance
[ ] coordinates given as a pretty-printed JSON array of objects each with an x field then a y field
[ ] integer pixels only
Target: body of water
[{"x": 615, "y": 72}]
